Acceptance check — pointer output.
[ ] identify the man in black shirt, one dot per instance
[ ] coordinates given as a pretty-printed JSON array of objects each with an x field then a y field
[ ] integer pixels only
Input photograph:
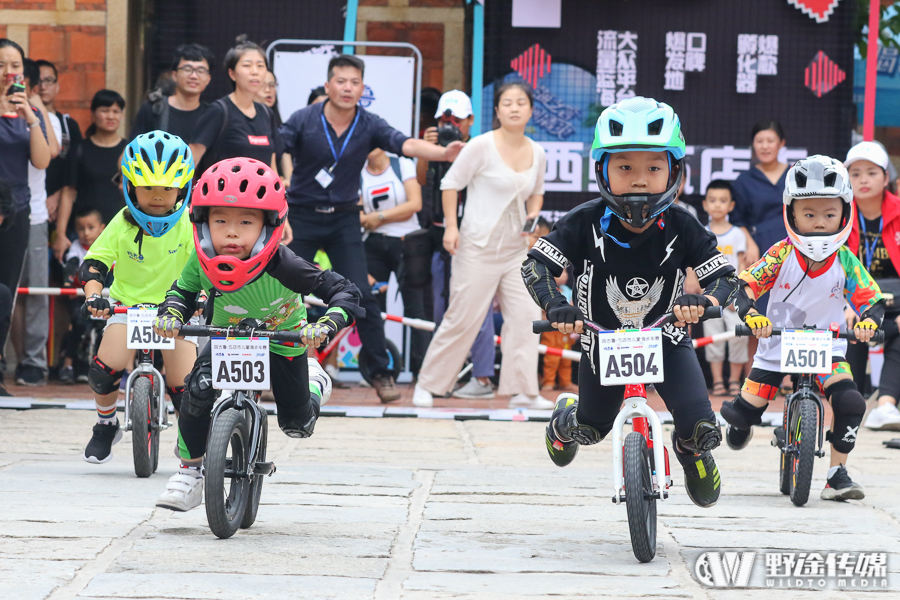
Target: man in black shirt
[
  {"x": 179, "y": 112},
  {"x": 329, "y": 143}
]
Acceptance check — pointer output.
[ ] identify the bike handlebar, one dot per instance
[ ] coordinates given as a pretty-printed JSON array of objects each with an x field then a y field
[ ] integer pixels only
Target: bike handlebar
[
  {"x": 713, "y": 312},
  {"x": 207, "y": 331},
  {"x": 745, "y": 331}
]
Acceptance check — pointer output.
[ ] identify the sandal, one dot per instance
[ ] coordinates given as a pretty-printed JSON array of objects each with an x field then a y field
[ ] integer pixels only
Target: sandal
[
  {"x": 718, "y": 388},
  {"x": 734, "y": 388}
]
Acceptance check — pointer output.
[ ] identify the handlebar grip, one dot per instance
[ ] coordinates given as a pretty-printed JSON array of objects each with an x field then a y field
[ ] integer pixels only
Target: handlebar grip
[
  {"x": 741, "y": 330},
  {"x": 877, "y": 337},
  {"x": 194, "y": 330},
  {"x": 541, "y": 326},
  {"x": 713, "y": 312}
]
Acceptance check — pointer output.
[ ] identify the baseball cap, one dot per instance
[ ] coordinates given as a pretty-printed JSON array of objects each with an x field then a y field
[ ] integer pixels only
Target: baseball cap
[
  {"x": 870, "y": 151},
  {"x": 456, "y": 102}
]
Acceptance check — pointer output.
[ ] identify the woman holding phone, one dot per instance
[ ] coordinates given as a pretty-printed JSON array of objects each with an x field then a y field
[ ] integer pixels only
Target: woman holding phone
[
  {"x": 23, "y": 139},
  {"x": 503, "y": 173}
]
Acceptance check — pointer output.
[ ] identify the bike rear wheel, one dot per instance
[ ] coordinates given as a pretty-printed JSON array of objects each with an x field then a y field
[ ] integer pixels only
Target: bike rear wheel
[
  {"x": 639, "y": 500},
  {"x": 803, "y": 435},
  {"x": 144, "y": 432},
  {"x": 227, "y": 494},
  {"x": 256, "y": 486}
]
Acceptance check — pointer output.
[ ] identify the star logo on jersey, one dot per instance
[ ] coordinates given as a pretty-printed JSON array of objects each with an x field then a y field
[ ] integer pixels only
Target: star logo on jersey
[
  {"x": 631, "y": 313},
  {"x": 637, "y": 287}
]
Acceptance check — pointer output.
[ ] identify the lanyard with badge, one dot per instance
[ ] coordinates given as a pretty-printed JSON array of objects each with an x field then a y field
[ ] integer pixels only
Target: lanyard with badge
[
  {"x": 324, "y": 176},
  {"x": 864, "y": 238}
]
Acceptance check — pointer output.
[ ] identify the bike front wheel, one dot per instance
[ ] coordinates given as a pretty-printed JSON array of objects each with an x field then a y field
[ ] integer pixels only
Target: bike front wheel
[
  {"x": 639, "y": 499},
  {"x": 226, "y": 485},
  {"x": 803, "y": 436},
  {"x": 144, "y": 432},
  {"x": 256, "y": 486}
]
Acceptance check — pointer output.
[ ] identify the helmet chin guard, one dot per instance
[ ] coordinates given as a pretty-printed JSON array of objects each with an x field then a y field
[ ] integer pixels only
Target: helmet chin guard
[{"x": 631, "y": 208}]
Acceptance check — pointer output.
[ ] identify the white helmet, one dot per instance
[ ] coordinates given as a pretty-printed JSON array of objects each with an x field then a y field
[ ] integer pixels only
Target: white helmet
[{"x": 818, "y": 177}]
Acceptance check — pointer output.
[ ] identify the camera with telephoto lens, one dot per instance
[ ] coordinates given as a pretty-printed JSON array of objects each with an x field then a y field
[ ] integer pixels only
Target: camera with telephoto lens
[{"x": 447, "y": 131}]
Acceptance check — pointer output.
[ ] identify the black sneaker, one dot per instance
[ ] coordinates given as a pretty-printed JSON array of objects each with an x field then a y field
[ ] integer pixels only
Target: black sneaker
[
  {"x": 31, "y": 376},
  {"x": 701, "y": 476},
  {"x": 737, "y": 439},
  {"x": 67, "y": 376},
  {"x": 4, "y": 393},
  {"x": 840, "y": 487},
  {"x": 99, "y": 449},
  {"x": 384, "y": 387},
  {"x": 561, "y": 452}
]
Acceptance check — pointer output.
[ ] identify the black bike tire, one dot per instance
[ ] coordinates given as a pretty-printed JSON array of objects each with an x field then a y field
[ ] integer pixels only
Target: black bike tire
[
  {"x": 139, "y": 412},
  {"x": 785, "y": 461},
  {"x": 228, "y": 432},
  {"x": 365, "y": 362},
  {"x": 256, "y": 486},
  {"x": 802, "y": 464},
  {"x": 641, "y": 507}
]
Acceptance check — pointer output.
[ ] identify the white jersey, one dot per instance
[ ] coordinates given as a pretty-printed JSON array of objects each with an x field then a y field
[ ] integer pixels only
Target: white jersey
[
  {"x": 816, "y": 299},
  {"x": 385, "y": 190},
  {"x": 731, "y": 243}
]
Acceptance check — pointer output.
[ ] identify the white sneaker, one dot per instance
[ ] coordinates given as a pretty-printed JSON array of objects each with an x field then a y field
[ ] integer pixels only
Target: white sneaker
[
  {"x": 533, "y": 402},
  {"x": 319, "y": 378},
  {"x": 183, "y": 492},
  {"x": 422, "y": 398},
  {"x": 885, "y": 417},
  {"x": 474, "y": 389}
]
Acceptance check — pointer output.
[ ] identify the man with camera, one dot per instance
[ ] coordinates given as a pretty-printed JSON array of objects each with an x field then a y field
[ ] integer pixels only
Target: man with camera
[{"x": 455, "y": 117}]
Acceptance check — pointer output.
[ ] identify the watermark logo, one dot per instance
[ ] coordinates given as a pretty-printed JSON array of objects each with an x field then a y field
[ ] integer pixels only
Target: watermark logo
[{"x": 725, "y": 569}]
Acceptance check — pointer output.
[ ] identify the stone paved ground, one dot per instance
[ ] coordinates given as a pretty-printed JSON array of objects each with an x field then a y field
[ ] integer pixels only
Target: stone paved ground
[{"x": 405, "y": 509}]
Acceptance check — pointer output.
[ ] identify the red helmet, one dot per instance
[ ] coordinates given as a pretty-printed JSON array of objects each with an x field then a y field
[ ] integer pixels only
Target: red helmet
[{"x": 245, "y": 183}]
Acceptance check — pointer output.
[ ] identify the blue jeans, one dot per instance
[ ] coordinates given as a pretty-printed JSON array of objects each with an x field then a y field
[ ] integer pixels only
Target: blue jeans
[{"x": 484, "y": 347}]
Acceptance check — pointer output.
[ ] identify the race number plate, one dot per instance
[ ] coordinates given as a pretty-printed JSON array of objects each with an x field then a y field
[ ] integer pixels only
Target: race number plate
[
  {"x": 806, "y": 351},
  {"x": 140, "y": 331},
  {"x": 240, "y": 363},
  {"x": 631, "y": 356}
]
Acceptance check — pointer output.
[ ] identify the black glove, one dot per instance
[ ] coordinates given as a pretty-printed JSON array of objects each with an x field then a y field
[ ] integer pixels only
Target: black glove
[
  {"x": 564, "y": 313},
  {"x": 693, "y": 300},
  {"x": 98, "y": 303}
]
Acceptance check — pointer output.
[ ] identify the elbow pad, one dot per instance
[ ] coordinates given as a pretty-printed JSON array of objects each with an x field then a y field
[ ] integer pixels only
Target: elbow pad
[
  {"x": 541, "y": 285},
  {"x": 723, "y": 289},
  {"x": 875, "y": 312},
  {"x": 85, "y": 273},
  {"x": 744, "y": 303}
]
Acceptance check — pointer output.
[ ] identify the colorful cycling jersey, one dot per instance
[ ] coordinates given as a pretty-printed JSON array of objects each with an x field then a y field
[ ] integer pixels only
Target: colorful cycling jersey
[
  {"x": 274, "y": 299},
  {"x": 798, "y": 298},
  {"x": 146, "y": 266}
]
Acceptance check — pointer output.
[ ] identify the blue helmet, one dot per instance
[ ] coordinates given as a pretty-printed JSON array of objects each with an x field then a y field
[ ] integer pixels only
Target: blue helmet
[
  {"x": 157, "y": 159},
  {"x": 638, "y": 124}
]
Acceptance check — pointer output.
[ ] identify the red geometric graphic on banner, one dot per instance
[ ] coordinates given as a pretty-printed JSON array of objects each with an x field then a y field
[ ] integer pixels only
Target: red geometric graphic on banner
[
  {"x": 822, "y": 74},
  {"x": 530, "y": 64},
  {"x": 820, "y": 10}
]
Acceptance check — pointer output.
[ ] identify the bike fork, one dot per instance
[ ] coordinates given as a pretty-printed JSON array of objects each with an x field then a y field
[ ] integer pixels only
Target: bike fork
[{"x": 644, "y": 420}]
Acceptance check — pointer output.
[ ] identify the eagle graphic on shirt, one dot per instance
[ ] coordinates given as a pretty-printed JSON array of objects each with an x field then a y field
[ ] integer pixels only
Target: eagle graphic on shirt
[{"x": 632, "y": 312}]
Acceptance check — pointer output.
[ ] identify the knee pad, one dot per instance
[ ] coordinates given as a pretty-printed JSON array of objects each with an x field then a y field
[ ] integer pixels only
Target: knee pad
[
  {"x": 849, "y": 407},
  {"x": 103, "y": 379},
  {"x": 200, "y": 394},
  {"x": 707, "y": 436},
  {"x": 581, "y": 433},
  {"x": 742, "y": 414},
  {"x": 176, "y": 393}
]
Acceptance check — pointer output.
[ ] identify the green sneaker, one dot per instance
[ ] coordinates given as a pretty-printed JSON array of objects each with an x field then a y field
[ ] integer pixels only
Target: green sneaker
[
  {"x": 701, "y": 476},
  {"x": 562, "y": 450}
]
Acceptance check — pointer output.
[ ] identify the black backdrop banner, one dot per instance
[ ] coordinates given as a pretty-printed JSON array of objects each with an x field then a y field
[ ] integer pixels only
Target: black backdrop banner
[{"x": 723, "y": 66}]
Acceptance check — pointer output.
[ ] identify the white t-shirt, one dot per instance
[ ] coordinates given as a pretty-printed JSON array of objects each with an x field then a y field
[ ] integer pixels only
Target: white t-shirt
[
  {"x": 37, "y": 182},
  {"x": 384, "y": 191},
  {"x": 76, "y": 250},
  {"x": 731, "y": 244}
]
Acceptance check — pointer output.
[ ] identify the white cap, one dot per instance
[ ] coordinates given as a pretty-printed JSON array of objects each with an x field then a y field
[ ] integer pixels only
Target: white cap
[
  {"x": 456, "y": 102},
  {"x": 870, "y": 151}
]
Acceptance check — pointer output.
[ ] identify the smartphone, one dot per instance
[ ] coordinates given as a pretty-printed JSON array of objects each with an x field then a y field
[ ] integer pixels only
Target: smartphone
[
  {"x": 17, "y": 81},
  {"x": 530, "y": 226}
]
